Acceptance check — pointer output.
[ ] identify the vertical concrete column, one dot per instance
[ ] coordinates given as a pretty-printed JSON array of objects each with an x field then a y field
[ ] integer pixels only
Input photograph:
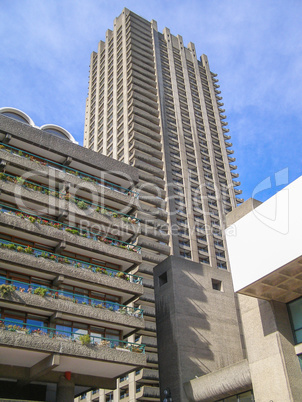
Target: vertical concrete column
[
  {"x": 102, "y": 395},
  {"x": 65, "y": 390}
]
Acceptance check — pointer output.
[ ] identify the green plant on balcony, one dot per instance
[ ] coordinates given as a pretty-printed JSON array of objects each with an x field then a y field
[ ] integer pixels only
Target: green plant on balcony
[
  {"x": 32, "y": 219},
  {"x": 6, "y": 290},
  {"x": 102, "y": 271},
  {"x": 85, "y": 339},
  {"x": 122, "y": 275},
  {"x": 73, "y": 231},
  {"x": 40, "y": 291},
  {"x": 11, "y": 246},
  {"x": 82, "y": 205},
  {"x": 20, "y": 249},
  {"x": 20, "y": 181},
  {"x": 28, "y": 250}
]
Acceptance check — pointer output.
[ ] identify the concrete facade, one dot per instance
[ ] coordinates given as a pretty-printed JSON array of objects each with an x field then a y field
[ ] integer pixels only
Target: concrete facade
[
  {"x": 68, "y": 260},
  {"x": 197, "y": 324},
  {"x": 152, "y": 104}
]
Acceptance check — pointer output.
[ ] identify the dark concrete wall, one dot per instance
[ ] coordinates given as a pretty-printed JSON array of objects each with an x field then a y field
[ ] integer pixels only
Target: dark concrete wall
[{"x": 197, "y": 325}]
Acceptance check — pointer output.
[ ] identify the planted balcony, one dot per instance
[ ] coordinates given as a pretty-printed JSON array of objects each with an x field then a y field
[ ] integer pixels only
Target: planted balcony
[
  {"x": 61, "y": 259},
  {"x": 84, "y": 176},
  {"x": 8, "y": 289},
  {"x": 71, "y": 344},
  {"x": 79, "y": 202},
  {"x": 85, "y": 233}
]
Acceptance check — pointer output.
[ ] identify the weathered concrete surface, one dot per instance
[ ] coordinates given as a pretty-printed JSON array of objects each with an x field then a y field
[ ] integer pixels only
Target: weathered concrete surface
[
  {"x": 65, "y": 306},
  {"x": 46, "y": 265}
]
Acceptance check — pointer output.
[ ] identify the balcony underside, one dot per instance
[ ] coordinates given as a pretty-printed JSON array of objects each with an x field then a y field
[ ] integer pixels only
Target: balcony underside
[{"x": 28, "y": 358}]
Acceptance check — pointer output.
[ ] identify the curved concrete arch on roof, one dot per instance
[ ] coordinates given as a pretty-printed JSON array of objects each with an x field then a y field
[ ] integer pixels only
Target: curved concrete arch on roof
[
  {"x": 17, "y": 114},
  {"x": 58, "y": 131}
]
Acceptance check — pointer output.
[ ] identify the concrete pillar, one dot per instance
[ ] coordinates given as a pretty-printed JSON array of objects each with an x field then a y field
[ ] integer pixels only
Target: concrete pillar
[{"x": 65, "y": 390}]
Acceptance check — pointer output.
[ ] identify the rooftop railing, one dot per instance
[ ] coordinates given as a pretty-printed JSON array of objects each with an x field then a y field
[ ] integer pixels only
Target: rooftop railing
[
  {"x": 84, "y": 176},
  {"x": 70, "y": 229},
  {"x": 41, "y": 290},
  {"x": 80, "y": 336},
  {"x": 21, "y": 248}
]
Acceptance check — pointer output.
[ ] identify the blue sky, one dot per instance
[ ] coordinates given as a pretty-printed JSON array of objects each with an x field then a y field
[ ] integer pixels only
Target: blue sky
[{"x": 254, "y": 46}]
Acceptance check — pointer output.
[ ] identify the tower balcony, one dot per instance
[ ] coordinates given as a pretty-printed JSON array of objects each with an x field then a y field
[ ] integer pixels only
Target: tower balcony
[
  {"x": 30, "y": 353},
  {"x": 219, "y": 98},
  {"x": 220, "y": 103},
  {"x": 239, "y": 200},
  {"x": 67, "y": 270},
  {"x": 147, "y": 375},
  {"x": 230, "y": 151},
  {"x": 231, "y": 159},
  {"x": 139, "y": 127},
  {"x": 236, "y": 183},
  {"x": 147, "y": 393},
  {"x": 55, "y": 234},
  {"x": 237, "y": 192},
  {"x": 222, "y": 116},
  {"x": 224, "y": 123},
  {"x": 146, "y": 141},
  {"x": 149, "y": 168},
  {"x": 22, "y": 160},
  {"x": 225, "y": 130},
  {"x": 148, "y": 159},
  {"x": 148, "y": 150},
  {"x": 59, "y": 303},
  {"x": 228, "y": 144}
]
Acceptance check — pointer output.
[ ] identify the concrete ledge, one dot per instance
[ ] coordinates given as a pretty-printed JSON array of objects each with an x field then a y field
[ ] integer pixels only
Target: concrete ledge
[
  {"x": 72, "y": 239},
  {"x": 220, "y": 384},
  {"x": 46, "y": 265},
  {"x": 79, "y": 183},
  {"x": 69, "y": 348},
  {"x": 64, "y": 306}
]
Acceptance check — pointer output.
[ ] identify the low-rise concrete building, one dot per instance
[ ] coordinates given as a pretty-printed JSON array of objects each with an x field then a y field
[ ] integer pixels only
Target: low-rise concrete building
[
  {"x": 217, "y": 343},
  {"x": 67, "y": 257}
]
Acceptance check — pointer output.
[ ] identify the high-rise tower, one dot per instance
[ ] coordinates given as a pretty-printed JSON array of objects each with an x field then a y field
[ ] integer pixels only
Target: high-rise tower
[{"x": 154, "y": 105}]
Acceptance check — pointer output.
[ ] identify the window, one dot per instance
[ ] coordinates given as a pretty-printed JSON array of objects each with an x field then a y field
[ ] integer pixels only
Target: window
[
  {"x": 217, "y": 285},
  {"x": 295, "y": 313}
]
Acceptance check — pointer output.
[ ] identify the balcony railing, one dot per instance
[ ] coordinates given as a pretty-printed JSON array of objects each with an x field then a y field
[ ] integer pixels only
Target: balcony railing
[
  {"x": 72, "y": 336},
  {"x": 70, "y": 229},
  {"x": 80, "y": 202},
  {"x": 84, "y": 176},
  {"x": 21, "y": 248},
  {"x": 40, "y": 290}
]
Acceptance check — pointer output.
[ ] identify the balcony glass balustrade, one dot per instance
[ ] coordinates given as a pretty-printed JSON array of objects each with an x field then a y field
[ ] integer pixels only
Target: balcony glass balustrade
[
  {"x": 80, "y": 336},
  {"x": 84, "y": 176},
  {"x": 21, "y": 248},
  {"x": 70, "y": 229},
  {"x": 40, "y": 290}
]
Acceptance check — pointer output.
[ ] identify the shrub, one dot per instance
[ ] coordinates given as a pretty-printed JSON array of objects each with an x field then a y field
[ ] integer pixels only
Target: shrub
[
  {"x": 12, "y": 246},
  {"x": 28, "y": 250},
  {"x": 85, "y": 339},
  {"x": 32, "y": 219},
  {"x": 20, "y": 181},
  {"x": 82, "y": 205},
  {"x": 6, "y": 290},
  {"x": 40, "y": 291}
]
